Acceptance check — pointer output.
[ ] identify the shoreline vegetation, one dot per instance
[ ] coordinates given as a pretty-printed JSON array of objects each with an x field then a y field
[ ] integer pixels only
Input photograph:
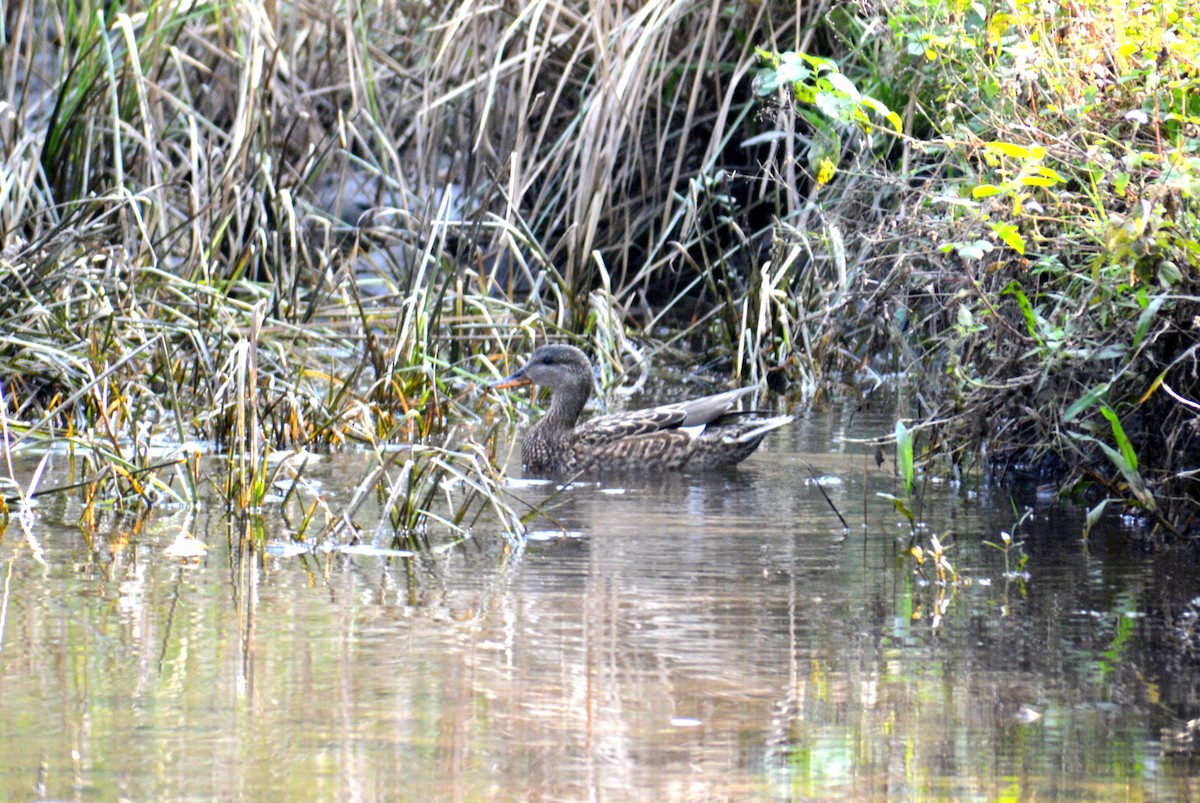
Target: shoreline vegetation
[{"x": 303, "y": 226}]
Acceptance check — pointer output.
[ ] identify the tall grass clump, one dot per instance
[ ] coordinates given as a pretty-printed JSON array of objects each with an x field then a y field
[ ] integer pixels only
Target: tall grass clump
[
  {"x": 169, "y": 271},
  {"x": 306, "y": 225}
]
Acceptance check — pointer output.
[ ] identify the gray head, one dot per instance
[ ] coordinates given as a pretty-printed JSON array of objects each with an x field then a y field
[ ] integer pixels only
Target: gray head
[
  {"x": 559, "y": 367},
  {"x": 563, "y": 369}
]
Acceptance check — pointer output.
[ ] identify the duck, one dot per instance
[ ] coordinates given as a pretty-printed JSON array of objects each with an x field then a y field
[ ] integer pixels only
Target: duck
[{"x": 697, "y": 434}]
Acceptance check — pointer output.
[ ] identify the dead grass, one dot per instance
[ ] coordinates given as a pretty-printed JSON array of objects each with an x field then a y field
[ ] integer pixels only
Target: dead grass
[{"x": 267, "y": 227}]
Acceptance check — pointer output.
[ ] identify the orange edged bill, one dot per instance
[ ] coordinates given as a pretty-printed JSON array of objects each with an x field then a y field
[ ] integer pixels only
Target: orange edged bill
[{"x": 514, "y": 380}]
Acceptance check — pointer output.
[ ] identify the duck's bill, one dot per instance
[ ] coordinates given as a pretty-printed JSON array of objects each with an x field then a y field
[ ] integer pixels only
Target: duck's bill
[{"x": 515, "y": 381}]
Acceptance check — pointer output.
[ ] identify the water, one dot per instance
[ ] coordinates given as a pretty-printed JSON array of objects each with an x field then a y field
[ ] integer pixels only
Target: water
[{"x": 686, "y": 638}]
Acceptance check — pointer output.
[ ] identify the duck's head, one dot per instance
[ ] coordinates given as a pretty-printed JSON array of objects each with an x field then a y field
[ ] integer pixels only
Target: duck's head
[{"x": 558, "y": 367}]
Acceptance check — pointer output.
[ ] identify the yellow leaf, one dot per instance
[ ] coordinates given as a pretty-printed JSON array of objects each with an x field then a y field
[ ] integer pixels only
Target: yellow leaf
[
  {"x": 1010, "y": 149},
  {"x": 826, "y": 172},
  {"x": 1158, "y": 380}
]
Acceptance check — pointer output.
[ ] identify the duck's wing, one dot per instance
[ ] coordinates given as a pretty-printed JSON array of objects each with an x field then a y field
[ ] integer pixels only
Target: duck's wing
[
  {"x": 692, "y": 413},
  {"x": 708, "y": 409},
  {"x": 610, "y": 428}
]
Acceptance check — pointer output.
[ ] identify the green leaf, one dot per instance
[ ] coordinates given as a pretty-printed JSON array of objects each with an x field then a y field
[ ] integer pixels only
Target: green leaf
[
  {"x": 1113, "y": 351},
  {"x": 1169, "y": 273},
  {"x": 830, "y": 105},
  {"x": 844, "y": 85},
  {"x": 768, "y": 57},
  {"x": 1128, "y": 468},
  {"x": 1117, "y": 459},
  {"x": 1085, "y": 402},
  {"x": 1146, "y": 318},
  {"x": 820, "y": 63},
  {"x": 904, "y": 456},
  {"x": 972, "y": 251},
  {"x": 1014, "y": 289},
  {"x": 1093, "y": 516},
  {"x": 792, "y": 69},
  {"x": 882, "y": 110},
  {"x": 766, "y": 82},
  {"x": 901, "y": 508},
  {"x": 1123, "y": 443},
  {"x": 1010, "y": 236}
]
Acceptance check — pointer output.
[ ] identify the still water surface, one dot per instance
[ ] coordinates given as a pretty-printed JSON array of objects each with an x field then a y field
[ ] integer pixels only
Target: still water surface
[{"x": 683, "y": 638}]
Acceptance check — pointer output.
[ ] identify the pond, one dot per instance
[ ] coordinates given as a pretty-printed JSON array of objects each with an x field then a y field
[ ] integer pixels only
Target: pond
[{"x": 675, "y": 638}]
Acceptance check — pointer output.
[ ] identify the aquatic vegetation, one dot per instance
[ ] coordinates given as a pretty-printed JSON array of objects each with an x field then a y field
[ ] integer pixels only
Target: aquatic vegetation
[
  {"x": 1015, "y": 556},
  {"x": 1056, "y": 168},
  {"x": 258, "y": 228},
  {"x": 221, "y": 235},
  {"x": 1028, "y": 244}
]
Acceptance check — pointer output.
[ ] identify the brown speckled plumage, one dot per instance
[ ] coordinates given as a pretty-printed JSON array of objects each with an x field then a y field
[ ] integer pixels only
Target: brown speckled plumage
[{"x": 697, "y": 434}]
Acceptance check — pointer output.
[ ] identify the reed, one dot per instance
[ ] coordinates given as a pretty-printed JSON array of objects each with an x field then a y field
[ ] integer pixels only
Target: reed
[
  {"x": 309, "y": 225},
  {"x": 259, "y": 228}
]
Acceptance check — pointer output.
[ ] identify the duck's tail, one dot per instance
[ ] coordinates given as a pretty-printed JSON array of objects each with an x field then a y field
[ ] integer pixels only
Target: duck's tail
[{"x": 758, "y": 429}]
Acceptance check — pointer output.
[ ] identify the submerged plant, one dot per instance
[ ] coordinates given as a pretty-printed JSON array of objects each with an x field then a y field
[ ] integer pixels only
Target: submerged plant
[
  {"x": 1014, "y": 552},
  {"x": 945, "y": 579},
  {"x": 906, "y": 465}
]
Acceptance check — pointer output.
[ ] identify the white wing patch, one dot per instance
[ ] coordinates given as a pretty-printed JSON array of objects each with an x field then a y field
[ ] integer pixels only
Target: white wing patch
[{"x": 764, "y": 426}]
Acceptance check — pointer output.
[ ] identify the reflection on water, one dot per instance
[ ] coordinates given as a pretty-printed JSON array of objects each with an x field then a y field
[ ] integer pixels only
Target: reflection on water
[{"x": 685, "y": 638}]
